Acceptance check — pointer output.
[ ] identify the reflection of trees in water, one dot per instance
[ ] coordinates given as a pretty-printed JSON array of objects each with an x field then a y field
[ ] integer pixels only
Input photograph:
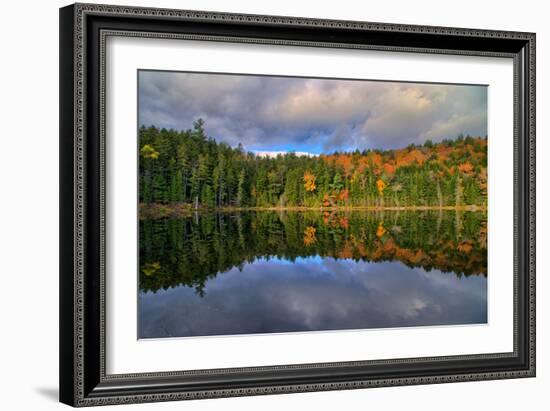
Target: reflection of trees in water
[{"x": 191, "y": 250}]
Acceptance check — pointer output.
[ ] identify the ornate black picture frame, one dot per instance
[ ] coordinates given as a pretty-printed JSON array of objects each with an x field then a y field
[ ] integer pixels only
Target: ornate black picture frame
[{"x": 83, "y": 32}]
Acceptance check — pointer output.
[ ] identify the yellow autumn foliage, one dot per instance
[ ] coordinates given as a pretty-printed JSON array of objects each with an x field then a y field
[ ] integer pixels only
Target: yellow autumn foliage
[
  {"x": 150, "y": 268},
  {"x": 309, "y": 235},
  {"x": 309, "y": 181},
  {"x": 380, "y": 231},
  {"x": 147, "y": 151},
  {"x": 380, "y": 185}
]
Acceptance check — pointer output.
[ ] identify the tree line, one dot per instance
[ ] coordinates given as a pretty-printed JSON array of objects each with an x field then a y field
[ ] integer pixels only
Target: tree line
[{"x": 188, "y": 167}]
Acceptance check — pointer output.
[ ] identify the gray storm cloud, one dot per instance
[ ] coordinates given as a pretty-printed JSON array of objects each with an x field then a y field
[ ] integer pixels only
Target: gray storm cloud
[{"x": 265, "y": 113}]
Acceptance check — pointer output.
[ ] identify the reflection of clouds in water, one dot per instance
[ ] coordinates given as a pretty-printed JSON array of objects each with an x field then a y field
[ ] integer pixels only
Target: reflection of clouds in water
[{"x": 315, "y": 294}]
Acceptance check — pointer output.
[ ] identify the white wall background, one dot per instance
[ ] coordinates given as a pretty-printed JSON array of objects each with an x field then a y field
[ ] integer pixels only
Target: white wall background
[{"x": 29, "y": 204}]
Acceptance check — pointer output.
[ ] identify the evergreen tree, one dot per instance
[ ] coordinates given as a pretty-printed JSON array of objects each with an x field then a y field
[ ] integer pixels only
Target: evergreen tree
[
  {"x": 176, "y": 187},
  {"x": 159, "y": 188},
  {"x": 242, "y": 195}
]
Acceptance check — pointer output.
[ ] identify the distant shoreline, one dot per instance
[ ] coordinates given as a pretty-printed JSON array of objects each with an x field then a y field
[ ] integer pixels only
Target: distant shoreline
[{"x": 185, "y": 208}]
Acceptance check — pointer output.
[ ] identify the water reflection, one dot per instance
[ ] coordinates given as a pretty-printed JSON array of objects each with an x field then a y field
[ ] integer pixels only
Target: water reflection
[{"x": 262, "y": 272}]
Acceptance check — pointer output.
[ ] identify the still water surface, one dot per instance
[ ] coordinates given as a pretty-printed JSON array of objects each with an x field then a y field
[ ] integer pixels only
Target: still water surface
[{"x": 265, "y": 271}]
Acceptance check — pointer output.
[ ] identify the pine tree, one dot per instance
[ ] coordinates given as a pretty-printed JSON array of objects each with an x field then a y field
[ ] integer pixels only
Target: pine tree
[
  {"x": 242, "y": 198},
  {"x": 160, "y": 191},
  {"x": 176, "y": 187}
]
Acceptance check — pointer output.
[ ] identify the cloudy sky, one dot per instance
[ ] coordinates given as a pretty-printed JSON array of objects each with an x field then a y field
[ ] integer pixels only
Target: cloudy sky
[{"x": 311, "y": 115}]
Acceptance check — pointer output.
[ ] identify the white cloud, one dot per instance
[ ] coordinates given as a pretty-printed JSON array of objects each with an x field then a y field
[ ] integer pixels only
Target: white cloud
[{"x": 273, "y": 154}]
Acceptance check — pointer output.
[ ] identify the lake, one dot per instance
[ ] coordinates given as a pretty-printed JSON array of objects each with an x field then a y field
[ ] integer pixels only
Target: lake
[{"x": 248, "y": 272}]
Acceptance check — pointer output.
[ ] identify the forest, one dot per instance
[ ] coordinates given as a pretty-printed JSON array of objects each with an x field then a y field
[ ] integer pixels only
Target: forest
[{"x": 191, "y": 169}]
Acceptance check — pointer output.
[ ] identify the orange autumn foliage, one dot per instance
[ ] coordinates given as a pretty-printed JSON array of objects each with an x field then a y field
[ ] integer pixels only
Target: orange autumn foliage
[
  {"x": 380, "y": 231},
  {"x": 443, "y": 156},
  {"x": 465, "y": 247},
  {"x": 346, "y": 252},
  {"x": 388, "y": 168},
  {"x": 466, "y": 168},
  {"x": 344, "y": 222},
  {"x": 342, "y": 160},
  {"x": 362, "y": 164},
  {"x": 344, "y": 195},
  {"x": 405, "y": 157},
  {"x": 375, "y": 158}
]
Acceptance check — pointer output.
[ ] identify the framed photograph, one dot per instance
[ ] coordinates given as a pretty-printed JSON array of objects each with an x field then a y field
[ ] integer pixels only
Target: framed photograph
[{"x": 261, "y": 204}]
